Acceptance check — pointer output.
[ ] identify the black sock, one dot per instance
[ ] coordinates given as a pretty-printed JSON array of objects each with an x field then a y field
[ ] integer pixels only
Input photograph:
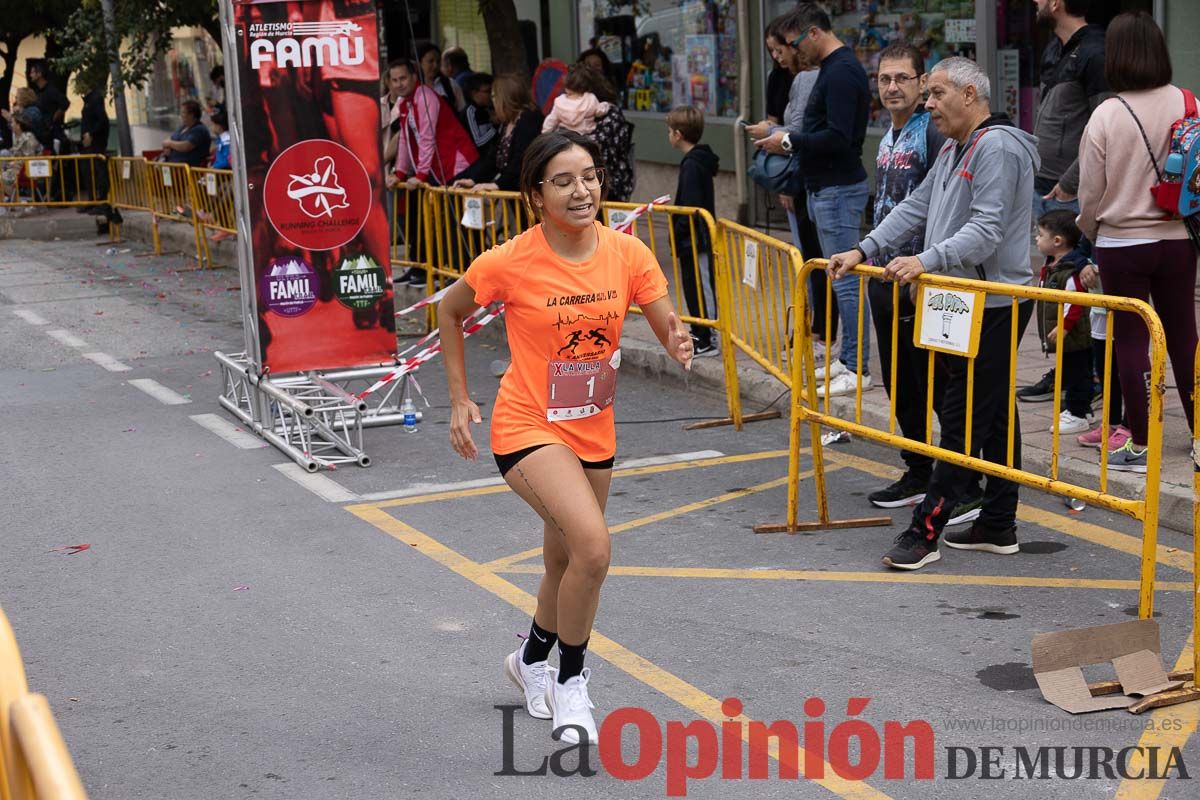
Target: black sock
[
  {"x": 539, "y": 644},
  {"x": 570, "y": 660}
]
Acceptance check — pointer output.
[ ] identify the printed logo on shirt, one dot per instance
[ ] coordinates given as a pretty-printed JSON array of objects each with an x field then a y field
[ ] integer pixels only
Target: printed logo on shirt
[{"x": 317, "y": 194}]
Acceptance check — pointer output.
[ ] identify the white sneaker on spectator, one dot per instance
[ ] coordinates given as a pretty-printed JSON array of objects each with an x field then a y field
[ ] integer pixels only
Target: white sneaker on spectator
[
  {"x": 1069, "y": 423},
  {"x": 835, "y": 369},
  {"x": 844, "y": 383},
  {"x": 570, "y": 706}
]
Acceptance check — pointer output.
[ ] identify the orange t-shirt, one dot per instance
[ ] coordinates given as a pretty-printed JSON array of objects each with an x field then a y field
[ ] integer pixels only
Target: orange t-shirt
[{"x": 564, "y": 330}]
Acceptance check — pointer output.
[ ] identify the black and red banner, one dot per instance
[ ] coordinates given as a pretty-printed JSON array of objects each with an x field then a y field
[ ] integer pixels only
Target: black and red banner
[{"x": 308, "y": 75}]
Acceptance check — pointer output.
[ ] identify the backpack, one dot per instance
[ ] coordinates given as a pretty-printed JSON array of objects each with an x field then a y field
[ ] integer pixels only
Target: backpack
[
  {"x": 1185, "y": 141},
  {"x": 1178, "y": 182}
]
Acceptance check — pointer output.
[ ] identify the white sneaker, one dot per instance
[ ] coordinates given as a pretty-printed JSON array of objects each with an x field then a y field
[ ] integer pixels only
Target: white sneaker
[
  {"x": 570, "y": 706},
  {"x": 530, "y": 679},
  {"x": 1069, "y": 423},
  {"x": 844, "y": 383},
  {"x": 835, "y": 369}
]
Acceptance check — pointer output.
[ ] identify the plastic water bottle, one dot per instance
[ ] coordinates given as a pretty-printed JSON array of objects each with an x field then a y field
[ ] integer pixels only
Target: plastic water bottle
[
  {"x": 409, "y": 410},
  {"x": 1173, "y": 168}
]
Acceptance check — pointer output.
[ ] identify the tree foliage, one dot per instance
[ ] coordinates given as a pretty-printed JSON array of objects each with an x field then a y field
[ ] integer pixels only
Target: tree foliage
[{"x": 142, "y": 26}]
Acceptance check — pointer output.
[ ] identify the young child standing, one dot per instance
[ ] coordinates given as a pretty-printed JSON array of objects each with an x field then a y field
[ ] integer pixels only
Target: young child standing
[
  {"x": 577, "y": 108},
  {"x": 1118, "y": 431},
  {"x": 685, "y": 126},
  {"x": 219, "y": 125},
  {"x": 1056, "y": 239}
]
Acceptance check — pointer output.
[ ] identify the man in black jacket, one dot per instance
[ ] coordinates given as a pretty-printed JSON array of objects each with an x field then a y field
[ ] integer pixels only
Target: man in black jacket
[
  {"x": 1073, "y": 85},
  {"x": 685, "y": 126},
  {"x": 830, "y": 148}
]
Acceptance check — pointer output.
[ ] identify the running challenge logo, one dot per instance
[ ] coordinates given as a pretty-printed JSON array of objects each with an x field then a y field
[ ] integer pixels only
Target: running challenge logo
[
  {"x": 306, "y": 44},
  {"x": 317, "y": 194}
]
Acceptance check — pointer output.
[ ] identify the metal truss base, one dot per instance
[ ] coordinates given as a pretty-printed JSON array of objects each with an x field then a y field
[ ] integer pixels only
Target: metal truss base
[{"x": 314, "y": 417}]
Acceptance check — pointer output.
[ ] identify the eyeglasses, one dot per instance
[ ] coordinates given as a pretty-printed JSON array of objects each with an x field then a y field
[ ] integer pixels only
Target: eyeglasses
[
  {"x": 795, "y": 43},
  {"x": 565, "y": 183},
  {"x": 899, "y": 80}
]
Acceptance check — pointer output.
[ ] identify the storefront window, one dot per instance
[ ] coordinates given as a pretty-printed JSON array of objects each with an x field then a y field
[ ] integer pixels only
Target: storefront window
[
  {"x": 939, "y": 28},
  {"x": 668, "y": 53}
]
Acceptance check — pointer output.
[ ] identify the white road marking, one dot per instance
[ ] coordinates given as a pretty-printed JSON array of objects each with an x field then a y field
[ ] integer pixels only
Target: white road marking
[
  {"x": 32, "y": 317},
  {"x": 159, "y": 392},
  {"x": 229, "y": 431},
  {"x": 108, "y": 362},
  {"x": 435, "y": 488},
  {"x": 67, "y": 338},
  {"x": 432, "y": 488},
  {"x": 318, "y": 484},
  {"x": 671, "y": 459}
]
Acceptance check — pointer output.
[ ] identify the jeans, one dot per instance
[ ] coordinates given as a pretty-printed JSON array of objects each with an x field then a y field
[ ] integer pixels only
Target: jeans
[
  {"x": 837, "y": 212},
  {"x": 808, "y": 241}
]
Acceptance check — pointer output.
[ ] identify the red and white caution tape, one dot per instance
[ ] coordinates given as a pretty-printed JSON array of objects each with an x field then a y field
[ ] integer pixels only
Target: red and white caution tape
[
  {"x": 626, "y": 224},
  {"x": 471, "y": 324},
  {"x": 426, "y": 301}
]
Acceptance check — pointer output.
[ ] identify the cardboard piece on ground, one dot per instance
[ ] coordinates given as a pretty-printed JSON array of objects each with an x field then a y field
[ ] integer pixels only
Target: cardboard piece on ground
[
  {"x": 1067, "y": 689},
  {"x": 1132, "y": 647},
  {"x": 1142, "y": 674}
]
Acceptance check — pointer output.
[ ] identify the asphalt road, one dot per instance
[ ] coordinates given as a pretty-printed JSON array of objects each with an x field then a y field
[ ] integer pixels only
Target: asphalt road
[{"x": 236, "y": 631}]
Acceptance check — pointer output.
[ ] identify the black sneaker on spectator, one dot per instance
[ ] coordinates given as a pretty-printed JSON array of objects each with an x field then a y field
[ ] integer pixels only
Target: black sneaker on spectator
[
  {"x": 703, "y": 347},
  {"x": 412, "y": 277},
  {"x": 908, "y": 491},
  {"x": 912, "y": 551},
  {"x": 1040, "y": 392},
  {"x": 966, "y": 511},
  {"x": 981, "y": 537}
]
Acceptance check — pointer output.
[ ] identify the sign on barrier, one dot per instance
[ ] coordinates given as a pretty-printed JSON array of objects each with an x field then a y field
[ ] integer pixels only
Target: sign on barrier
[
  {"x": 39, "y": 168},
  {"x": 949, "y": 321}
]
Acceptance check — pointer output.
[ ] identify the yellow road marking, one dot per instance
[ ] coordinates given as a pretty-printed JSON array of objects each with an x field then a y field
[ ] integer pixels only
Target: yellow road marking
[
  {"x": 1164, "y": 735},
  {"x": 501, "y": 563},
  {"x": 656, "y": 678},
  {"x": 620, "y": 473},
  {"x": 717, "y": 573},
  {"x": 1096, "y": 534}
]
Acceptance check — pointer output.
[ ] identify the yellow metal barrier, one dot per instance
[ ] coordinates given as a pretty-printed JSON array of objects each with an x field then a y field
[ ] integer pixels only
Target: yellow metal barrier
[
  {"x": 408, "y": 224},
  {"x": 467, "y": 222},
  {"x": 128, "y": 188},
  {"x": 675, "y": 234},
  {"x": 805, "y": 409},
  {"x": 34, "y": 762},
  {"x": 171, "y": 191},
  {"x": 760, "y": 282},
  {"x": 52, "y": 181},
  {"x": 213, "y": 193}
]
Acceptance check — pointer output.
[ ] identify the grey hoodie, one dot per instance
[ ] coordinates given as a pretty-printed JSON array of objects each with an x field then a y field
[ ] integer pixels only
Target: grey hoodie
[{"x": 974, "y": 206}]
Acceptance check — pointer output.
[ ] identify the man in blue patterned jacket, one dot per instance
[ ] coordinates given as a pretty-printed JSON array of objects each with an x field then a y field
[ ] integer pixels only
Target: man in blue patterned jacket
[{"x": 906, "y": 153}]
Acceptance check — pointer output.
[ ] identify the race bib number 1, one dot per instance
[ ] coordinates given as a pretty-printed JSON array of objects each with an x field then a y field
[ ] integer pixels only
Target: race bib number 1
[{"x": 580, "y": 389}]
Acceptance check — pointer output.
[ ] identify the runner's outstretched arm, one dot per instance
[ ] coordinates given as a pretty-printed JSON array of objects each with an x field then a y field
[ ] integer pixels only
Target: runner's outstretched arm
[
  {"x": 458, "y": 303},
  {"x": 670, "y": 331}
]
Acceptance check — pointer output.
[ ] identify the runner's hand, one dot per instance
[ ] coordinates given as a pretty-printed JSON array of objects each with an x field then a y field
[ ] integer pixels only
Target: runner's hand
[
  {"x": 462, "y": 414},
  {"x": 680, "y": 347}
]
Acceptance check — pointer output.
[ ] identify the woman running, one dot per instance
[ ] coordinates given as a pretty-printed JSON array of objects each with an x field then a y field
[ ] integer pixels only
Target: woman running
[{"x": 566, "y": 285}]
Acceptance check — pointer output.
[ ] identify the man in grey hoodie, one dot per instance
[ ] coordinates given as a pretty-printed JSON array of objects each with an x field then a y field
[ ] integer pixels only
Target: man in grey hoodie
[{"x": 975, "y": 211}]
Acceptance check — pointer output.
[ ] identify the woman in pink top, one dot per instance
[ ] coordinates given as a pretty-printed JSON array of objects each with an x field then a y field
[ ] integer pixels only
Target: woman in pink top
[
  {"x": 577, "y": 108},
  {"x": 1142, "y": 252}
]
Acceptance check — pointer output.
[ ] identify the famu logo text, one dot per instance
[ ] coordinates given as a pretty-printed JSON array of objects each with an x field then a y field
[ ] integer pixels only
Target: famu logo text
[{"x": 306, "y": 44}]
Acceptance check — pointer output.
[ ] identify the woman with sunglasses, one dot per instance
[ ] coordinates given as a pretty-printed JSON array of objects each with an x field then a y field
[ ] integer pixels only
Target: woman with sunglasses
[{"x": 566, "y": 284}]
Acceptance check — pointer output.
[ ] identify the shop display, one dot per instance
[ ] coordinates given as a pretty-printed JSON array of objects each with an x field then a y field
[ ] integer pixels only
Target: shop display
[{"x": 669, "y": 52}]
